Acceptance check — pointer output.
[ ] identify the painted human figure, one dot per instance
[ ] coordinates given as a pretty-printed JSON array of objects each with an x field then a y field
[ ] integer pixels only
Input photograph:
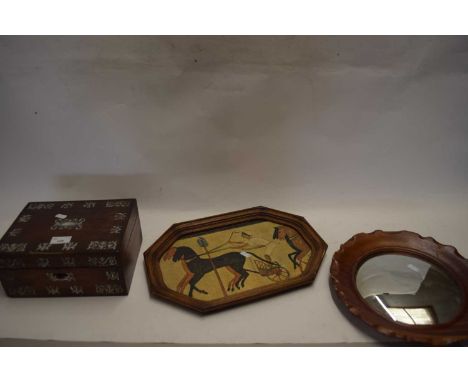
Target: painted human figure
[{"x": 296, "y": 242}]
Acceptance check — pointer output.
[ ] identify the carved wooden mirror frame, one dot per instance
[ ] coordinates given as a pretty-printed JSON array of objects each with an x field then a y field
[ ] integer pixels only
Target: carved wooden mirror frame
[
  {"x": 361, "y": 247},
  {"x": 160, "y": 252}
]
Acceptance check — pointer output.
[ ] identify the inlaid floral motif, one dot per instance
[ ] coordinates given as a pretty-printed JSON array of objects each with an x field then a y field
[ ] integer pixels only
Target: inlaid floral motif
[
  {"x": 109, "y": 289},
  {"x": 115, "y": 229},
  {"x": 120, "y": 216},
  {"x": 102, "y": 245},
  {"x": 69, "y": 276},
  {"x": 41, "y": 247},
  {"x": 22, "y": 291},
  {"x": 69, "y": 246},
  {"x": 42, "y": 262},
  {"x": 13, "y": 247},
  {"x": 24, "y": 218},
  {"x": 53, "y": 290},
  {"x": 102, "y": 261},
  {"x": 11, "y": 263},
  {"x": 68, "y": 261},
  {"x": 15, "y": 232},
  {"x": 40, "y": 206},
  {"x": 76, "y": 290},
  {"x": 70, "y": 223},
  {"x": 117, "y": 203},
  {"x": 112, "y": 275}
]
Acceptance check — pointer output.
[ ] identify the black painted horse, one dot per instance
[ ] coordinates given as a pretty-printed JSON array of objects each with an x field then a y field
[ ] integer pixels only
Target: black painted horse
[{"x": 196, "y": 267}]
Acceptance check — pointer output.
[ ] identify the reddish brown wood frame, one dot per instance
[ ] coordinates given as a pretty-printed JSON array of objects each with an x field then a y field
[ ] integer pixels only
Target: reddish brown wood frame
[
  {"x": 363, "y": 246},
  {"x": 179, "y": 230}
]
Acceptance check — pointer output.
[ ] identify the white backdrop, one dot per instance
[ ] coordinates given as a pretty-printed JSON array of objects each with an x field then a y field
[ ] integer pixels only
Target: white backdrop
[{"x": 355, "y": 134}]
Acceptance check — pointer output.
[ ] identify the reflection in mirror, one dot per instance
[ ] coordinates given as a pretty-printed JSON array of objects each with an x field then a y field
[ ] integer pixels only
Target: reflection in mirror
[{"x": 408, "y": 290}]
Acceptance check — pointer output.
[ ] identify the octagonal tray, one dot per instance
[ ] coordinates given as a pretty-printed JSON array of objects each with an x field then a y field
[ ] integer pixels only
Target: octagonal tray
[{"x": 224, "y": 260}]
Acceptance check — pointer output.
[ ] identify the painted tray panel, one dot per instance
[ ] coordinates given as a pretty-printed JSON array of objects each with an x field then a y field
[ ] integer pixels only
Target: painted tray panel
[{"x": 224, "y": 260}]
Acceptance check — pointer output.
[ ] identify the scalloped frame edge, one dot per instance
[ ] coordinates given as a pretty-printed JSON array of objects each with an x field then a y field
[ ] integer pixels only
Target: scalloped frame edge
[{"x": 347, "y": 260}]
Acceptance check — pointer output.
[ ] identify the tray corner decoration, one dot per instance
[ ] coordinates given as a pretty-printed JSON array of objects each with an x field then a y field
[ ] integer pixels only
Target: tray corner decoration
[{"x": 216, "y": 262}]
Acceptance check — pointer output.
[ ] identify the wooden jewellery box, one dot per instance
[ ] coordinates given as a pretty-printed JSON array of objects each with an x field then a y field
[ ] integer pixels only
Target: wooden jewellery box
[{"x": 76, "y": 248}]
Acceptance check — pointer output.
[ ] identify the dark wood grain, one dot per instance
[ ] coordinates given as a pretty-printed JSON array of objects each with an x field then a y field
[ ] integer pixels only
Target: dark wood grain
[{"x": 105, "y": 242}]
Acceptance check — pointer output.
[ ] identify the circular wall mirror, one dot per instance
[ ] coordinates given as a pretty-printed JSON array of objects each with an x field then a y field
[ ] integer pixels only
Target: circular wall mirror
[
  {"x": 404, "y": 285},
  {"x": 408, "y": 290}
]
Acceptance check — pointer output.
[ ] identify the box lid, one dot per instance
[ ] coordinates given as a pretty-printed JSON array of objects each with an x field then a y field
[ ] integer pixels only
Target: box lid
[{"x": 68, "y": 234}]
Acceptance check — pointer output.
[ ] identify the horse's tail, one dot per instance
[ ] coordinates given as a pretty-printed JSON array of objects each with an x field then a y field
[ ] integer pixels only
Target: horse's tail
[{"x": 170, "y": 253}]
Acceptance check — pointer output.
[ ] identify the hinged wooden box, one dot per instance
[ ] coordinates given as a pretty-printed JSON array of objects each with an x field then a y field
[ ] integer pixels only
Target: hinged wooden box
[{"x": 76, "y": 248}]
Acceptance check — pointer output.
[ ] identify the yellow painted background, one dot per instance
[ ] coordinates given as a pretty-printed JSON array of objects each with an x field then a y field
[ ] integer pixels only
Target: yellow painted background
[{"x": 173, "y": 272}]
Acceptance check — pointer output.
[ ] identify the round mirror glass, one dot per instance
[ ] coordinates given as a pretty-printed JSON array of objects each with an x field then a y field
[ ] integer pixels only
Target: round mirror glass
[{"x": 408, "y": 290}]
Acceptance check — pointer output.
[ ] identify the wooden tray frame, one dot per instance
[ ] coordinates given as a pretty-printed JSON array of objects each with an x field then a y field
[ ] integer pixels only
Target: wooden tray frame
[
  {"x": 361, "y": 247},
  {"x": 176, "y": 231}
]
